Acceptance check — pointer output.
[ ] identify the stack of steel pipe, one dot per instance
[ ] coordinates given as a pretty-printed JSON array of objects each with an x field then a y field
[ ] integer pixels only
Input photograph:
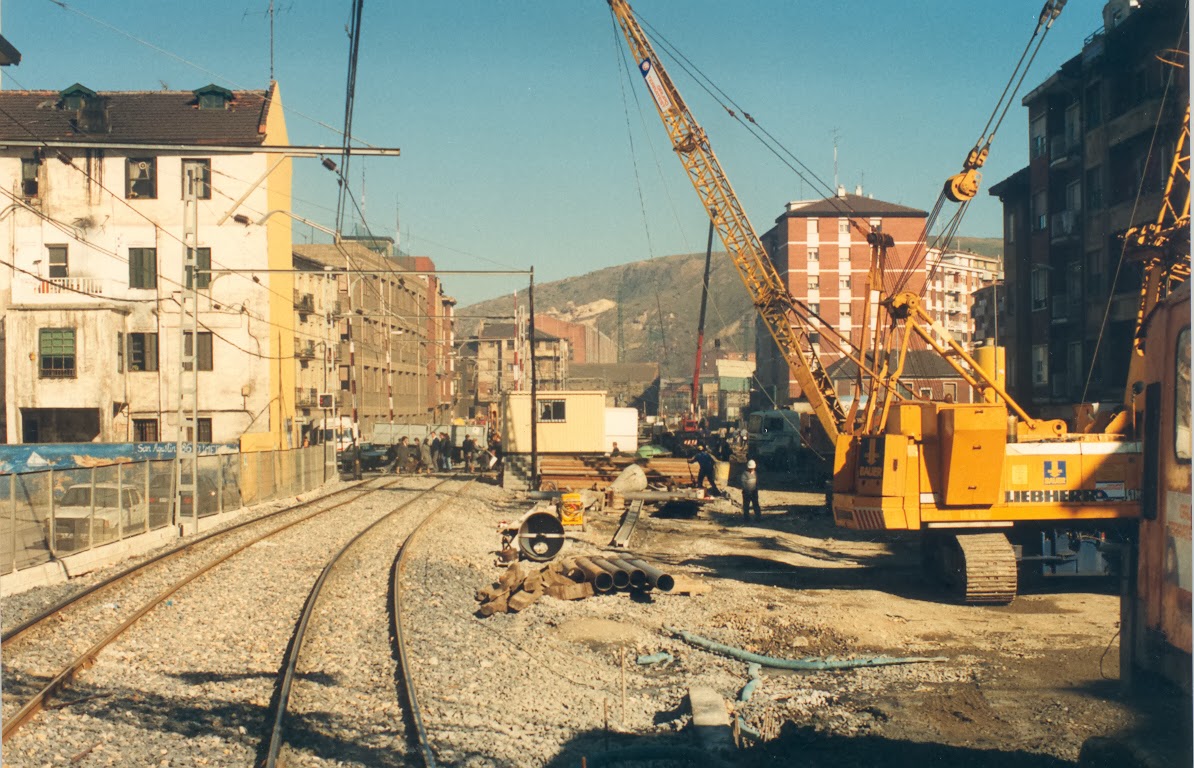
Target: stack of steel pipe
[{"x": 610, "y": 572}]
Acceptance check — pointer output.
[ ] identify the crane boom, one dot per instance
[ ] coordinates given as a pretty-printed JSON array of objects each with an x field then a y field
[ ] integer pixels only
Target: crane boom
[{"x": 771, "y": 298}]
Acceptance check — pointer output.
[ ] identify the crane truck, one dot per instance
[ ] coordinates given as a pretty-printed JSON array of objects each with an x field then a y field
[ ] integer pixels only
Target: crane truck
[{"x": 971, "y": 478}]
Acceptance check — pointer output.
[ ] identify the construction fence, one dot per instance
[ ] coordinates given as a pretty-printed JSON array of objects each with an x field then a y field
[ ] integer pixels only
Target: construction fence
[{"x": 57, "y": 512}]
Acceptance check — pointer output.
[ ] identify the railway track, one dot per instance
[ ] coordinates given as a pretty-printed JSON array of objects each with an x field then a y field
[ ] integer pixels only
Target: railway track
[
  {"x": 68, "y": 636},
  {"x": 359, "y": 568},
  {"x": 45, "y": 654}
]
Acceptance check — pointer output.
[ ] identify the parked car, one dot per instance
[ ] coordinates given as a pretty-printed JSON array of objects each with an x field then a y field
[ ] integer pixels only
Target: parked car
[
  {"x": 372, "y": 457},
  {"x": 161, "y": 498},
  {"x": 116, "y": 510}
]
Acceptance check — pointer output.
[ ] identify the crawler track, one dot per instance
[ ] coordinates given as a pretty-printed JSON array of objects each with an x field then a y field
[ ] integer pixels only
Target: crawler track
[
  {"x": 69, "y": 621},
  {"x": 988, "y": 569}
]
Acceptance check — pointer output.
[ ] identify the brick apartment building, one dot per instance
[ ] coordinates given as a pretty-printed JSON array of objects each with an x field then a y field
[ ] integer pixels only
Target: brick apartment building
[
  {"x": 1101, "y": 132},
  {"x": 824, "y": 260}
]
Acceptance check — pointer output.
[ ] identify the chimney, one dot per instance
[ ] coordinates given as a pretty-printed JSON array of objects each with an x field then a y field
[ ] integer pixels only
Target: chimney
[
  {"x": 841, "y": 190},
  {"x": 92, "y": 117},
  {"x": 858, "y": 190}
]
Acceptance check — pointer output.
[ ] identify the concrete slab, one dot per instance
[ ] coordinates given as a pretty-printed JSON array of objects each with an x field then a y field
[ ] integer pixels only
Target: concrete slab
[{"x": 710, "y": 719}]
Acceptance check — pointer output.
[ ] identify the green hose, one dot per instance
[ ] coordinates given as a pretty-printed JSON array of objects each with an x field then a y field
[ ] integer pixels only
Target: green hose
[{"x": 809, "y": 664}]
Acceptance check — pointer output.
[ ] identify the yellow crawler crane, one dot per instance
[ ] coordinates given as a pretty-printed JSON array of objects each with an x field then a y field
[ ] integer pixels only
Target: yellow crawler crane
[{"x": 965, "y": 475}]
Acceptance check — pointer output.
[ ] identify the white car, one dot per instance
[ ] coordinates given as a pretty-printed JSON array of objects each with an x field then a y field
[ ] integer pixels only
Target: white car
[{"x": 116, "y": 511}]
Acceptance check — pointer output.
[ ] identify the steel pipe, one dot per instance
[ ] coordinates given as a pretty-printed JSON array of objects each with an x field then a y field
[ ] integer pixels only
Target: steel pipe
[
  {"x": 657, "y": 578},
  {"x": 620, "y": 576},
  {"x": 601, "y": 579},
  {"x": 638, "y": 577}
]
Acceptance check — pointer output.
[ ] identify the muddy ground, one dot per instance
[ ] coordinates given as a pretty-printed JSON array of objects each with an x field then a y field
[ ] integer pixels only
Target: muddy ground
[{"x": 1024, "y": 684}]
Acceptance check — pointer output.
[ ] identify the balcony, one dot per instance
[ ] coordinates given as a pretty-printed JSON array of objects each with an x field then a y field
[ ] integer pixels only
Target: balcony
[
  {"x": 304, "y": 350},
  {"x": 27, "y": 289},
  {"x": 1065, "y": 226},
  {"x": 305, "y": 397},
  {"x": 304, "y": 303},
  {"x": 1064, "y": 151}
]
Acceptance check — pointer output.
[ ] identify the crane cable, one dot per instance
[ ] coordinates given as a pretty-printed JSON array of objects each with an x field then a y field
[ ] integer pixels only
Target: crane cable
[
  {"x": 638, "y": 185},
  {"x": 1049, "y": 13}
]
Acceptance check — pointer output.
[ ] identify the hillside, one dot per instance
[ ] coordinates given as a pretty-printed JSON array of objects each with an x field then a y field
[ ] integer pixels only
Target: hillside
[{"x": 668, "y": 285}]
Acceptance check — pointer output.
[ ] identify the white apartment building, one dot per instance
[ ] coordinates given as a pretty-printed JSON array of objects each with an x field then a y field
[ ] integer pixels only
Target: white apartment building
[
  {"x": 954, "y": 276},
  {"x": 93, "y": 239}
]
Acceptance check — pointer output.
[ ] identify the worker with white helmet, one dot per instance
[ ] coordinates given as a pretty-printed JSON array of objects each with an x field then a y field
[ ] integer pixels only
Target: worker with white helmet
[{"x": 750, "y": 491}]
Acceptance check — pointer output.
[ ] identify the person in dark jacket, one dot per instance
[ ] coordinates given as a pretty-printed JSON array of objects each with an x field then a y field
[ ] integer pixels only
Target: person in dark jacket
[
  {"x": 468, "y": 450},
  {"x": 706, "y": 463},
  {"x": 750, "y": 491},
  {"x": 426, "y": 460}
]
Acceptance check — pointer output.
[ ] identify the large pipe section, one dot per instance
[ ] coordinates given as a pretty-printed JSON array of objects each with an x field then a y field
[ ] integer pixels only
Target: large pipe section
[
  {"x": 638, "y": 577},
  {"x": 657, "y": 578},
  {"x": 621, "y": 577},
  {"x": 601, "y": 579}
]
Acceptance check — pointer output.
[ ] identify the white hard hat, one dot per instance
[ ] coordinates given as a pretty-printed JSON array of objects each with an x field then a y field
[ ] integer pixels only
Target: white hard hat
[{"x": 750, "y": 464}]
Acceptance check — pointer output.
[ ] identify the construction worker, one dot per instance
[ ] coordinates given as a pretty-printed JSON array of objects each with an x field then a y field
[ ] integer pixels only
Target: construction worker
[
  {"x": 706, "y": 463},
  {"x": 750, "y": 491}
]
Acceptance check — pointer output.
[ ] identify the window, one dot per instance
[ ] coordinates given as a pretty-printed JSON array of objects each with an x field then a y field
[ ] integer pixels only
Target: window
[
  {"x": 1040, "y": 211},
  {"x": 143, "y": 268},
  {"x": 843, "y": 226},
  {"x": 814, "y": 254},
  {"x": 551, "y": 411},
  {"x": 56, "y": 255},
  {"x": 1181, "y": 410},
  {"x": 119, "y": 352},
  {"x": 1073, "y": 196},
  {"x": 845, "y": 312},
  {"x": 1040, "y": 287},
  {"x": 950, "y": 391},
  {"x": 30, "y": 172},
  {"x": 204, "y": 355},
  {"x": 926, "y": 393},
  {"x": 143, "y": 352},
  {"x": 1040, "y": 364},
  {"x": 814, "y": 283},
  {"x": 56, "y": 352},
  {"x": 814, "y": 307},
  {"x": 142, "y": 178},
  {"x": 1038, "y": 144},
  {"x": 145, "y": 430},
  {"x": 203, "y": 266},
  {"x": 1010, "y": 229},
  {"x": 200, "y": 171},
  {"x": 843, "y": 283},
  {"x": 843, "y": 258},
  {"x": 344, "y": 378},
  {"x": 204, "y": 431}
]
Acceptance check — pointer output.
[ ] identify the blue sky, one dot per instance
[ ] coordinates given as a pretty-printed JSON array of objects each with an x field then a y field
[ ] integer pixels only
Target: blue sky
[{"x": 516, "y": 120}]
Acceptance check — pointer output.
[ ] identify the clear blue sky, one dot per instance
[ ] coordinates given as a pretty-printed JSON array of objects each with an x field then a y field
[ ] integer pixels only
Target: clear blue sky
[{"x": 512, "y": 121}]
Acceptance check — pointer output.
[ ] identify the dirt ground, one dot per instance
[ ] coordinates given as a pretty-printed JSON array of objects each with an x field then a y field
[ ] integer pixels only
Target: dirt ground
[{"x": 1029, "y": 682}]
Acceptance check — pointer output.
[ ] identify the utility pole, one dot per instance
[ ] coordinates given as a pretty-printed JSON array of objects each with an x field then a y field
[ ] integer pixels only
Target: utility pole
[
  {"x": 186, "y": 447},
  {"x": 534, "y": 389}
]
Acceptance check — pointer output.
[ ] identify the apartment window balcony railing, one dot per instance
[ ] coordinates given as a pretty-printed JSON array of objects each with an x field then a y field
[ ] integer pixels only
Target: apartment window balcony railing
[
  {"x": 1064, "y": 226},
  {"x": 304, "y": 302},
  {"x": 93, "y": 285},
  {"x": 304, "y": 350},
  {"x": 1063, "y": 150},
  {"x": 305, "y": 397}
]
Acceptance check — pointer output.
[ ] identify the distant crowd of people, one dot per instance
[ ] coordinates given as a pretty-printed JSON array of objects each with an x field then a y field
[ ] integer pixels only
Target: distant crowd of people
[{"x": 438, "y": 453}]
